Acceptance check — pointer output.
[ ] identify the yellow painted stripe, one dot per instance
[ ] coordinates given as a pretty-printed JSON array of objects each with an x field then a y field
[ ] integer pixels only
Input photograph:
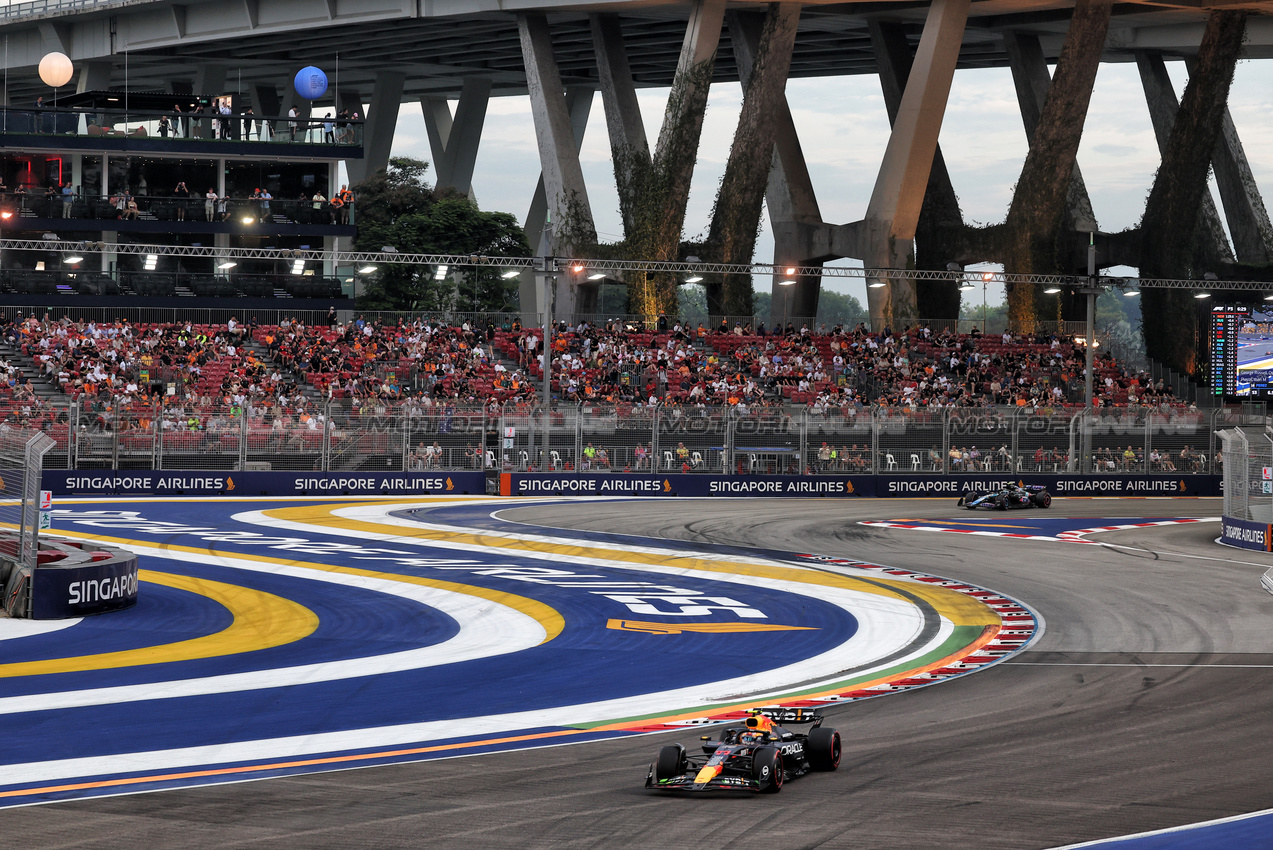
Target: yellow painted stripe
[
  {"x": 547, "y": 617},
  {"x": 959, "y": 609},
  {"x": 261, "y": 621}
]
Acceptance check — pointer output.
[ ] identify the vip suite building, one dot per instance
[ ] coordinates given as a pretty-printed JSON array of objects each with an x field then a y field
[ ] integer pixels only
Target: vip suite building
[{"x": 137, "y": 168}]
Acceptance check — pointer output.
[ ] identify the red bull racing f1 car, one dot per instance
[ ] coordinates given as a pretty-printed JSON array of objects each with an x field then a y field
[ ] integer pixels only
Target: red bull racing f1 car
[
  {"x": 1008, "y": 498},
  {"x": 759, "y": 757}
]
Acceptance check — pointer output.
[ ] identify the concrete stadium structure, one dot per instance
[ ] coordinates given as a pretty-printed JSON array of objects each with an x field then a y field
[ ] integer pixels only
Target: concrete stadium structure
[{"x": 430, "y": 52}]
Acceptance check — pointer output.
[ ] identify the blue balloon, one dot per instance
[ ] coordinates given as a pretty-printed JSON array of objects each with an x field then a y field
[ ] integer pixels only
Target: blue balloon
[{"x": 310, "y": 83}]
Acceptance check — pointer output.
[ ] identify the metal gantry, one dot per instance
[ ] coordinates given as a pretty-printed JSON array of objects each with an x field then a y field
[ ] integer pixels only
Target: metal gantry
[{"x": 561, "y": 264}]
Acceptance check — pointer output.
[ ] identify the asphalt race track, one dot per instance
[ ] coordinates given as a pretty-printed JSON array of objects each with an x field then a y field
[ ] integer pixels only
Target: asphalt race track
[{"x": 1145, "y": 703}]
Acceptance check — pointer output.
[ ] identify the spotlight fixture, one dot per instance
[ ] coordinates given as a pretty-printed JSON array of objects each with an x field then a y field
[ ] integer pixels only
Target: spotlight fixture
[
  {"x": 966, "y": 287},
  {"x": 74, "y": 258},
  {"x": 576, "y": 267},
  {"x": 228, "y": 264},
  {"x": 696, "y": 278},
  {"x": 597, "y": 276},
  {"x": 366, "y": 270},
  {"x": 791, "y": 271},
  {"x": 298, "y": 267},
  {"x": 1202, "y": 295},
  {"x": 247, "y": 219},
  {"x": 1131, "y": 293},
  {"x": 876, "y": 284},
  {"x": 987, "y": 276},
  {"x": 1269, "y": 297},
  {"x": 1052, "y": 290},
  {"x": 152, "y": 260},
  {"x": 510, "y": 274},
  {"x": 787, "y": 282},
  {"x": 439, "y": 273}
]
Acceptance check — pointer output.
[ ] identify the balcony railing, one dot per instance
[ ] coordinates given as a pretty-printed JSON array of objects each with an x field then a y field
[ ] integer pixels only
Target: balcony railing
[
  {"x": 22, "y": 202},
  {"x": 122, "y": 123}
]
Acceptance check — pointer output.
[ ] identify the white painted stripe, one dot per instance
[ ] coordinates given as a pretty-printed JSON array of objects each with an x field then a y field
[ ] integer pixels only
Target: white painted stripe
[
  {"x": 486, "y": 629},
  {"x": 11, "y": 629},
  {"x": 1169, "y": 830}
]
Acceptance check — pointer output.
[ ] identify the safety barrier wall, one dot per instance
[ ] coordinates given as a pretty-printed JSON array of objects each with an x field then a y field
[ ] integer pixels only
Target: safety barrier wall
[
  {"x": 882, "y": 486},
  {"x": 154, "y": 482},
  {"x": 77, "y": 590},
  {"x": 1246, "y": 534}
]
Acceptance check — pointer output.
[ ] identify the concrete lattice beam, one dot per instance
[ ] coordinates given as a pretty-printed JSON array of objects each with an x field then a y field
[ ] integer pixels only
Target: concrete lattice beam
[
  {"x": 629, "y": 148},
  {"x": 378, "y": 129},
  {"x": 565, "y": 191},
  {"x": 1032, "y": 81},
  {"x": 454, "y": 140},
  {"x": 1160, "y": 96},
  {"x": 894, "y": 208},
  {"x": 740, "y": 198}
]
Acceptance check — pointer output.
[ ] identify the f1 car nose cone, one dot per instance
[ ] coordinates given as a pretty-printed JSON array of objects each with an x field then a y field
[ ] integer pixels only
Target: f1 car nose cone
[{"x": 707, "y": 774}]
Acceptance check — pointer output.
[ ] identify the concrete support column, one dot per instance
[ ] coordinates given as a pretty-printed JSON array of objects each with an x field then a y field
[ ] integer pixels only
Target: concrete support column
[
  {"x": 1032, "y": 81},
  {"x": 94, "y": 76},
  {"x": 382, "y": 120},
  {"x": 1244, "y": 209},
  {"x": 538, "y": 232},
  {"x": 893, "y": 211},
  {"x": 789, "y": 195},
  {"x": 454, "y": 142},
  {"x": 940, "y": 221},
  {"x": 1160, "y": 95},
  {"x": 736, "y": 217},
  {"x": 564, "y": 189},
  {"x": 629, "y": 148}
]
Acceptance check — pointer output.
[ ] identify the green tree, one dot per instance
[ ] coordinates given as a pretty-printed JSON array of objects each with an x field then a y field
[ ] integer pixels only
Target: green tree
[{"x": 397, "y": 208}]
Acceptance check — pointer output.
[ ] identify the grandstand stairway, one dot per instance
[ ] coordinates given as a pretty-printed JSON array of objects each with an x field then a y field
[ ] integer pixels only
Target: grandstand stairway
[{"x": 43, "y": 388}]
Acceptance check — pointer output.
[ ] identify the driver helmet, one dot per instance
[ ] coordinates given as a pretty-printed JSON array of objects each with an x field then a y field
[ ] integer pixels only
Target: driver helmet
[
  {"x": 759, "y": 723},
  {"x": 749, "y": 737}
]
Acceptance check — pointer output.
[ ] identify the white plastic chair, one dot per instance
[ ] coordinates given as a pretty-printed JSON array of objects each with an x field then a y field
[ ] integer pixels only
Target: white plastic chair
[
  {"x": 914, "y": 463},
  {"x": 667, "y": 459},
  {"x": 490, "y": 459},
  {"x": 697, "y": 458},
  {"x": 525, "y": 459},
  {"x": 890, "y": 462},
  {"x": 556, "y": 459}
]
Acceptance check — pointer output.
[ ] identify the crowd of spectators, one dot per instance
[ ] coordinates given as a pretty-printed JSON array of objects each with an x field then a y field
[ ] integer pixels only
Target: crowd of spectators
[{"x": 918, "y": 369}]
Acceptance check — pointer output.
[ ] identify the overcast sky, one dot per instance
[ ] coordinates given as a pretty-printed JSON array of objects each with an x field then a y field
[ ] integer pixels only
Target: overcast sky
[{"x": 843, "y": 129}]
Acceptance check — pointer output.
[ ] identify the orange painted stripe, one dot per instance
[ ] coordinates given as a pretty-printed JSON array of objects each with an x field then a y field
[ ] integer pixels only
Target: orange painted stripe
[{"x": 283, "y": 765}]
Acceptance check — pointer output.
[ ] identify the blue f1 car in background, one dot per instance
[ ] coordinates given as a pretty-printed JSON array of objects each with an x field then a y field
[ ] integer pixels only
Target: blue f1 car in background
[{"x": 1008, "y": 498}]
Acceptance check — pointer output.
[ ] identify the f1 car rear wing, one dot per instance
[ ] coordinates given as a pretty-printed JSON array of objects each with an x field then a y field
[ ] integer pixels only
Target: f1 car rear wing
[{"x": 782, "y": 714}]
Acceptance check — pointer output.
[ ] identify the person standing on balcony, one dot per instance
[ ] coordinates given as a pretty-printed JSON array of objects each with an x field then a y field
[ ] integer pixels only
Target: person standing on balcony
[
  {"x": 329, "y": 130},
  {"x": 182, "y": 194},
  {"x": 210, "y": 203},
  {"x": 68, "y": 199},
  {"x": 292, "y": 115},
  {"x": 178, "y": 128}
]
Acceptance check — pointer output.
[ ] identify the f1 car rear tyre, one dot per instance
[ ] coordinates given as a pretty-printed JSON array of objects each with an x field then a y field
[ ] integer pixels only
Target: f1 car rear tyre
[
  {"x": 823, "y": 748},
  {"x": 671, "y": 762},
  {"x": 1043, "y": 499},
  {"x": 766, "y": 769}
]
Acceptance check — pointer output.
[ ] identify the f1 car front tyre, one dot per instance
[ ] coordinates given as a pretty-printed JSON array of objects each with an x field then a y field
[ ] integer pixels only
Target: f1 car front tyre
[
  {"x": 671, "y": 762},
  {"x": 766, "y": 769},
  {"x": 823, "y": 748}
]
